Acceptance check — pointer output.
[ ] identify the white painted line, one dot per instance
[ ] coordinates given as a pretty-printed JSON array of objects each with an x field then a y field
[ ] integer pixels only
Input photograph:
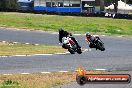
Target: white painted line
[
  {"x": 55, "y": 33},
  {"x": 119, "y": 36},
  {"x": 63, "y": 71},
  {"x": 7, "y": 74},
  {"x": 4, "y": 56},
  {"x": 42, "y": 54},
  {"x": 28, "y": 55},
  {"x": 77, "y": 34},
  {"x": 15, "y": 42},
  {"x": 103, "y": 35},
  {"x": 4, "y": 41},
  {"x": 27, "y": 43},
  {"x": 36, "y": 44},
  {"x": 95, "y": 35},
  {"x": 45, "y": 72},
  {"x": 25, "y": 73},
  {"x": 67, "y": 52},
  {"x": 90, "y": 49},
  {"x": 60, "y": 53},
  {"x": 19, "y": 55},
  {"x": 87, "y": 50},
  {"x": 100, "y": 69}
]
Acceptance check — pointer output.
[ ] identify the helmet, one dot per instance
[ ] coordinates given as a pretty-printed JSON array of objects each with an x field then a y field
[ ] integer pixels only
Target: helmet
[
  {"x": 61, "y": 29},
  {"x": 88, "y": 34}
]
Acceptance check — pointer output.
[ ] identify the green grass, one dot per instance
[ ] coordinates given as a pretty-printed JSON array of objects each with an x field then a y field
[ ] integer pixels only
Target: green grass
[
  {"x": 38, "y": 80},
  {"x": 35, "y": 80},
  {"x": 22, "y": 49},
  {"x": 70, "y": 23}
]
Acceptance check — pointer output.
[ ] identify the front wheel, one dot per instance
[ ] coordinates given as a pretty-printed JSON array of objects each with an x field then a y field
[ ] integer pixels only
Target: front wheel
[{"x": 65, "y": 46}]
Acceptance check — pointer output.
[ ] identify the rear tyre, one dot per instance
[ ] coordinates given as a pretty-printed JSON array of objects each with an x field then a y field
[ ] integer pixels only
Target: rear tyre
[
  {"x": 100, "y": 46},
  {"x": 79, "y": 51},
  {"x": 103, "y": 49},
  {"x": 71, "y": 51}
]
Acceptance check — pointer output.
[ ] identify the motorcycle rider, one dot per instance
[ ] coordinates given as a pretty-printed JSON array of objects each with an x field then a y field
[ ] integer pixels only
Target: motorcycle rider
[
  {"x": 63, "y": 33},
  {"x": 91, "y": 39}
]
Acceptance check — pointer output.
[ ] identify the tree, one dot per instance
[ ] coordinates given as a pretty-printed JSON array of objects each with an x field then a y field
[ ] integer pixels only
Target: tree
[
  {"x": 102, "y": 5},
  {"x": 2, "y": 4},
  {"x": 8, "y": 5},
  {"x": 129, "y": 1}
]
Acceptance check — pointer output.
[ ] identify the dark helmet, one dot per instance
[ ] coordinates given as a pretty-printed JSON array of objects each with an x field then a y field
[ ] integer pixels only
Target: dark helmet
[
  {"x": 61, "y": 30},
  {"x": 88, "y": 34}
]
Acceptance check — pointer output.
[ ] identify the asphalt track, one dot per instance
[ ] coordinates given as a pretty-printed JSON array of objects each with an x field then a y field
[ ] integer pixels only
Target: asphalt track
[{"x": 117, "y": 57}]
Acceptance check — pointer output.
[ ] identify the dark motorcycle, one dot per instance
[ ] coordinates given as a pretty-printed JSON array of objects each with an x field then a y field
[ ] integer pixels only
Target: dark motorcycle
[
  {"x": 99, "y": 44},
  {"x": 69, "y": 44}
]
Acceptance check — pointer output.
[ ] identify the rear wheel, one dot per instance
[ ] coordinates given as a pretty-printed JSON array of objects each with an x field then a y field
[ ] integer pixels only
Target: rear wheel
[
  {"x": 102, "y": 49},
  {"x": 100, "y": 46},
  {"x": 71, "y": 51},
  {"x": 79, "y": 51}
]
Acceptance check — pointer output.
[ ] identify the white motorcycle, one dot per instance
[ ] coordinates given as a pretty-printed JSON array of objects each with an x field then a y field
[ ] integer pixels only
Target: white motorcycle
[{"x": 71, "y": 45}]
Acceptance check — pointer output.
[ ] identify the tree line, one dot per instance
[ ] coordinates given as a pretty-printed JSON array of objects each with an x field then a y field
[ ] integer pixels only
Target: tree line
[{"x": 8, "y": 5}]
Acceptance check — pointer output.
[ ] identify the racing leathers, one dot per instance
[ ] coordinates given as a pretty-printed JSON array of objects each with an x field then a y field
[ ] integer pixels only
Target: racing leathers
[
  {"x": 91, "y": 40},
  {"x": 63, "y": 33}
]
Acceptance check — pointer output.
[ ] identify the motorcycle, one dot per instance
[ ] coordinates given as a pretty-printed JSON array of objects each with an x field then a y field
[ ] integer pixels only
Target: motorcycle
[
  {"x": 99, "y": 44},
  {"x": 69, "y": 44}
]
